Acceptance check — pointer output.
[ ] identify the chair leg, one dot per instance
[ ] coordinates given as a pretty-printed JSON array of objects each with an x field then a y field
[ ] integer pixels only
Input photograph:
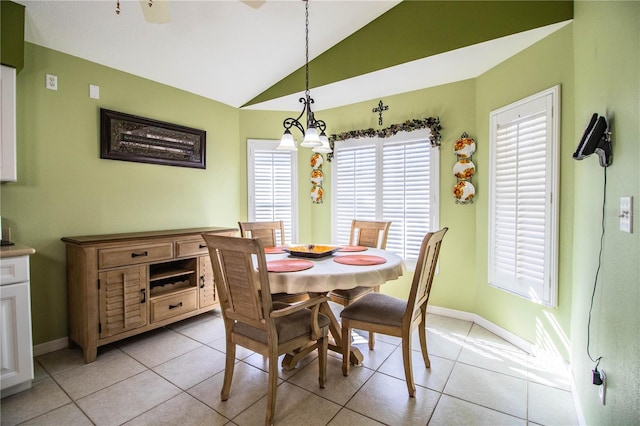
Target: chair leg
[
  {"x": 422, "y": 332},
  {"x": 408, "y": 369},
  {"x": 230, "y": 362},
  {"x": 346, "y": 347},
  {"x": 271, "y": 391},
  {"x": 372, "y": 341},
  {"x": 323, "y": 346}
]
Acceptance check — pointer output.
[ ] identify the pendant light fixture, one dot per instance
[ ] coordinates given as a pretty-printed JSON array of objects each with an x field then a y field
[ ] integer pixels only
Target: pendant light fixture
[{"x": 314, "y": 135}]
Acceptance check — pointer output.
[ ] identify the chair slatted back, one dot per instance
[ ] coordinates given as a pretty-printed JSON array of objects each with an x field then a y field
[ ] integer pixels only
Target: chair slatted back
[
  {"x": 245, "y": 294},
  {"x": 423, "y": 275},
  {"x": 266, "y": 231},
  {"x": 369, "y": 233}
]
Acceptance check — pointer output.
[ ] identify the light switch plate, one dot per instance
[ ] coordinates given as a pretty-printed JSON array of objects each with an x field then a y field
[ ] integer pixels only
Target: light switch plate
[
  {"x": 94, "y": 91},
  {"x": 626, "y": 214}
]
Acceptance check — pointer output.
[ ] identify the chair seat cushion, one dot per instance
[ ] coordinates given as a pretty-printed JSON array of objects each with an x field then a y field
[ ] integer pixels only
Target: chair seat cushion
[
  {"x": 352, "y": 293},
  {"x": 288, "y": 327},
  {"x": 376, "y": 308}
]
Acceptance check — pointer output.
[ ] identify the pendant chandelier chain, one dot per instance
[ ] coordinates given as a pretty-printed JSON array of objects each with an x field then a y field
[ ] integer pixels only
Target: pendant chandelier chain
[
  {"x": 306, "y": 28},
  {"x": 314, "y": 135}
]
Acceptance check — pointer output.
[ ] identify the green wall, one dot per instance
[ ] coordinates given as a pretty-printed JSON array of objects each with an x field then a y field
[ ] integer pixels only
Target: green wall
[
  {"x": 65, "y": 189},
  {"x": 607, "y": 77}
]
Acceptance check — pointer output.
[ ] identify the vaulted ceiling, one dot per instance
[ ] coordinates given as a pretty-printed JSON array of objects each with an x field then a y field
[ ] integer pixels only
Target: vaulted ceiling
[{"x": 251, "y": 54}]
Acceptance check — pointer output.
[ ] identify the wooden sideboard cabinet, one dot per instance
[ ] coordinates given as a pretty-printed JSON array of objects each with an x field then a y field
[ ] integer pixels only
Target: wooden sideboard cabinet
[{"x": 120, "y": 285}]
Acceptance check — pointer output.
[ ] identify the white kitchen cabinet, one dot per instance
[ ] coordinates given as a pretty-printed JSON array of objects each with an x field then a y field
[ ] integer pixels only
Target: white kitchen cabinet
[
  {"x": 8, "y": 169},
  {"x": 16, "y": 347}
]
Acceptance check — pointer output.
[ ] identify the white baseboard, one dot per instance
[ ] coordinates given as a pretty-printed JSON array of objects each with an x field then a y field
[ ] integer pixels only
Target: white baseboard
[
  {"x": 51, "y": 346},
  {"x": 576, "y": 401},
  {"x": 517, "y": 341}
]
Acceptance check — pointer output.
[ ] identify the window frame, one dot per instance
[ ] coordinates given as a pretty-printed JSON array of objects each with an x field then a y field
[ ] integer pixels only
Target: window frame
[
  {"x": 546, "y": 293},
  {"x": 269, "y": 145},
  {"x": 378, "y": 143}
]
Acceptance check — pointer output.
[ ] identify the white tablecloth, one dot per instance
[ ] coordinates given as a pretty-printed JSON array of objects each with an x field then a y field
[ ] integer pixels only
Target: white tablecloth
[{"x": 327, "y": 275}]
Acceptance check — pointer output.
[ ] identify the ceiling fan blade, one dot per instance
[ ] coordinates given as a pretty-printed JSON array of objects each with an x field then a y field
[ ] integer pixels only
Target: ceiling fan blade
[
  {"x": 254, "y": 3},
  {"x": 157, "y": 13}
]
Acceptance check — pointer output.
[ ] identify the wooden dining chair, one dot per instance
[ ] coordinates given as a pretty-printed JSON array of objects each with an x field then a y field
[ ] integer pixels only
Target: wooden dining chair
[
  {"x": 395, "y": 317},
  {"x": 271, "y": 233},
  {"x": 268, "y": 232},
  {"x": 250, "y": 318},
  {"x": 368, "y": 234}
]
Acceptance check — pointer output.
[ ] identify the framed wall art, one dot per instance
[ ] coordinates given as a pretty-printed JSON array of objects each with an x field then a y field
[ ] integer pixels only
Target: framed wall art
[{"x": 131, "y": 138}]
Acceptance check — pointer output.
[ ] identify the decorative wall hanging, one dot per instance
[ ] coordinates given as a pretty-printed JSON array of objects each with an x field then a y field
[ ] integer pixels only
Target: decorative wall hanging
[
  {"x": 130, "y": 138},
  {"x": 316, "y": 178},
  {"x": 381, "y": 107},
  {"x": 432, "y": 123},
  {"x": 464, "y": 169}
]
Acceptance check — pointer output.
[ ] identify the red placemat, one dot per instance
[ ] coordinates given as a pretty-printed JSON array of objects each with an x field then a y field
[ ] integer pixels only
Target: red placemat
[
  {"x": 273, "y": 250},
  {"x": 288, "y": 265},
  {"x": 360, "y": 259},
  {"x": 353, "y": 248}
]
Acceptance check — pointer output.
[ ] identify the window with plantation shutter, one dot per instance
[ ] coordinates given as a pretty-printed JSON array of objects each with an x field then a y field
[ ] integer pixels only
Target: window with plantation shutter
[
  {"x": 387, "y": 179},
  {"x": 272, "y": 178},
  {"x": 523, "y": 197}
]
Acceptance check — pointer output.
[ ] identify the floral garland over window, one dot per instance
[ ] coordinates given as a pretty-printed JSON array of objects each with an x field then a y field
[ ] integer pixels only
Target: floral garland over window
[{"x": 432, "y": 123}]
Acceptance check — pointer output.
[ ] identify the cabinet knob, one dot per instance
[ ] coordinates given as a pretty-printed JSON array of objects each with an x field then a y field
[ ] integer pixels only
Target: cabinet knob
[
  {"x": 144, "y": 253},
  {"x": 144, "y": 295},
  {"x": 175, "y": 306}
]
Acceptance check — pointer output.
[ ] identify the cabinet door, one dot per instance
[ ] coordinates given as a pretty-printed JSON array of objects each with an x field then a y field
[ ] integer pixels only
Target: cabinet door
[
  {"x": 123, "y": 300},
  {"x": 206, "y": 283},
  {"x": 16, "y": 357}
]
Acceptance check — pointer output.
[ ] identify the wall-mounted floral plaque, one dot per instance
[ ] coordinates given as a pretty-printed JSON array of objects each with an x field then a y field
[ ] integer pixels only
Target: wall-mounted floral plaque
[
  {"x": 130, "y": 138},
  {"x": 464, "y": 169}
]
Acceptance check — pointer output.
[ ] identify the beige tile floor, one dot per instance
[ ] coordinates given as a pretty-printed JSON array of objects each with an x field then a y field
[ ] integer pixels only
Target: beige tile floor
[{"x": 173, "y": 376}]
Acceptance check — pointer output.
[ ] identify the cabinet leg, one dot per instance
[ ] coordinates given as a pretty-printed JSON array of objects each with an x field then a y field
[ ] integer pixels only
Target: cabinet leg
[{"x": 90, "y": 354}]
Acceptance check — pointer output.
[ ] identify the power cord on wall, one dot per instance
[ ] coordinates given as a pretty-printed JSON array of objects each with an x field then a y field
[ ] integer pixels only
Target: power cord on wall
[{"x": 596, "y": 375}]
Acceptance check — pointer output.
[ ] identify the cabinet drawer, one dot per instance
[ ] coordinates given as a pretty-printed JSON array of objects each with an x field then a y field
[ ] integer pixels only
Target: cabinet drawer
[
  {"x": 191, "y": 247},
  {"x": 131, "y": 255},
  {"x": 172, "y": 305},
  {"x": 14, "y": 270}
]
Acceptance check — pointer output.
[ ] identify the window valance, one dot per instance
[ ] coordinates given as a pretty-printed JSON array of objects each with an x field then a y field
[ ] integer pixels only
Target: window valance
[{"x": 432, "y": 123}]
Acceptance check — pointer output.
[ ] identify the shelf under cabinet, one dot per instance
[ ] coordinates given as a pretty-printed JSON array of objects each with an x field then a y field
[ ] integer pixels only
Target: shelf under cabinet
[{"x": 170, "y": 273}]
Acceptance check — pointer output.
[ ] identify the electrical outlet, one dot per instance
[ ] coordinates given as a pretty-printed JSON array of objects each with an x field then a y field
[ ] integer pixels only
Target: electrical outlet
[
  {"x": 603, "y": 387},
  {"x": 626, "y": 214},
  {"x": 51, "y": 82}
]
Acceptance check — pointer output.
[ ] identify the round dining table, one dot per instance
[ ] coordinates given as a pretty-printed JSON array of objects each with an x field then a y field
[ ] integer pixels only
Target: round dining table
[{"x": 360, "y": 266}]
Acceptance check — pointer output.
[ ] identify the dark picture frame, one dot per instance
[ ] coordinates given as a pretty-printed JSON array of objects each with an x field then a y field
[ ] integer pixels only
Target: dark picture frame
[{"x": 128, "y": 137}]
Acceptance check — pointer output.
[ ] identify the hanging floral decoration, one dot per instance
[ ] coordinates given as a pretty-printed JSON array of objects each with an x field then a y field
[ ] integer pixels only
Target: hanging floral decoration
[
  {"x": 432, "y": 123},
  {"x": 316, "y": 178}
]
